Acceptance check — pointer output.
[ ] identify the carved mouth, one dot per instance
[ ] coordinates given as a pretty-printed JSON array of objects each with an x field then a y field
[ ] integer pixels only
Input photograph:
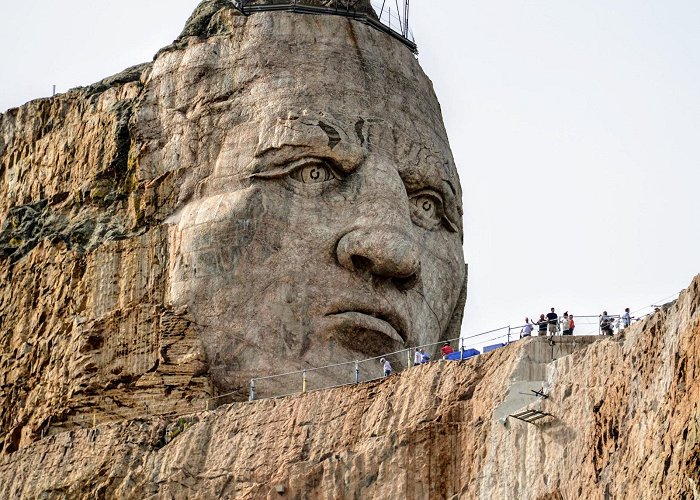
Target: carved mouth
[{"x": 388, "y": 324}]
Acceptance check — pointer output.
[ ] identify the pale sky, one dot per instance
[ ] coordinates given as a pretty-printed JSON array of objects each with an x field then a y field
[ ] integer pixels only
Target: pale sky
[{"x": 575, "y": 127}]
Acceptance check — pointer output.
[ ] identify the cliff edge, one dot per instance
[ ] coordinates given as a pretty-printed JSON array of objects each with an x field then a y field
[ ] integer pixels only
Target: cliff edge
[{"x": 623, "y": 421}]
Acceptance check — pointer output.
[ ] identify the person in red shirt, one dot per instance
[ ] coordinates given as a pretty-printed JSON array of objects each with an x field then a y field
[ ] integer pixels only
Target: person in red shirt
[{"x": 446, "y": 349}]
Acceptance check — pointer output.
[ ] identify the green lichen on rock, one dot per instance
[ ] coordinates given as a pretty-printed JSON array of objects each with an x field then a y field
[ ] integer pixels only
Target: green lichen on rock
[{"x": 198, "y": 23}]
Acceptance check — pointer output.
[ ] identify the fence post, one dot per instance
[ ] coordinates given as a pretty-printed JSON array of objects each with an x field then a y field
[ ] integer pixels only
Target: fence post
[
  {"x": 252, "y": 389},
  {"x": 508, "y": 334},
  {"x": 408, "y": 358},
  {"x": 303, "y": 381},
  {"x": 357, "y": 372}
]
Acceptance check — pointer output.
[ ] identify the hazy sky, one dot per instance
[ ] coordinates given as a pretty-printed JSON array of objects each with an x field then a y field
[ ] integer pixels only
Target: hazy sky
[{"x": 575, "y": 126}]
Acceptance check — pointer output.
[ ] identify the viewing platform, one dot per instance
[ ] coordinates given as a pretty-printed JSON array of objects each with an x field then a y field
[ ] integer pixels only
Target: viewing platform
[{"x": 375, "y": 13}]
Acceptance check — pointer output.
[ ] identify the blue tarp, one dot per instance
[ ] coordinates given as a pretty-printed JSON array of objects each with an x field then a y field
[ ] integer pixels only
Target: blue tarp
[
  {"x": 467, "y": 353},
  {"x": 492, "y": 347}
]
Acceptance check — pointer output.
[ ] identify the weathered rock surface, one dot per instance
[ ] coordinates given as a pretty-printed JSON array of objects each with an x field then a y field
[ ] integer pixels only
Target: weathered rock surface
[
  {"x": 276, "y": 191},
  {"x": 625, "y": 424},
  {"x": 272, "y": 192}
]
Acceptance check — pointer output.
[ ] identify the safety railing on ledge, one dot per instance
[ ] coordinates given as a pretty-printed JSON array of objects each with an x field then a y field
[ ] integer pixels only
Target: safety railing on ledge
[
  {"x": 388, "y": 16},
  {"x": 366, "y": 370}
]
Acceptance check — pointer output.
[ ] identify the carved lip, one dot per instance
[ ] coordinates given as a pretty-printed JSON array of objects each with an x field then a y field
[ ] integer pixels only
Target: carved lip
[{"x": 389, "y": 324}]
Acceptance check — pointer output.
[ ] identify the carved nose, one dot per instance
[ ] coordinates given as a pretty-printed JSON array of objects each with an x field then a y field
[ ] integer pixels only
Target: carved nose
[{"x": 383, "y": 252}]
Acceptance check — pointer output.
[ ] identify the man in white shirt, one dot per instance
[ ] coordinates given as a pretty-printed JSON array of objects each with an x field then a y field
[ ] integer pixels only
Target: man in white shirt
[
  {"x": 626, "y": 318},
  {"x": 564, "y": 322},
  {"x": 387, "y": 366}
]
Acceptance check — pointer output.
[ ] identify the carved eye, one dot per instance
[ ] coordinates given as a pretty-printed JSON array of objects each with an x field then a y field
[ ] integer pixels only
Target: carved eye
[
  {"x": 426, "y": 209},
  {"x": 313, "y": 173},
  {"x": 426, "y": 205}
]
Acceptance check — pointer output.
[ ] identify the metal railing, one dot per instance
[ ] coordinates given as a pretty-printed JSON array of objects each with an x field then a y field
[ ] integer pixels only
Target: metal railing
[
  {"x": 388, "y": 16},
  {"x": 355, "y": 372},
  {"x": 358, "y": 371},
  {"x": 366, "y": 370},
  {"x": 581, "y": 322}
]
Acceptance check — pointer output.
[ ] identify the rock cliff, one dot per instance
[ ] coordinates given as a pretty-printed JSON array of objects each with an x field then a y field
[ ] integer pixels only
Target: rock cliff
[
  {"x": 127, "y": 203},
  {"x": 623, "y": 422},
  {"x": 154, "y": 252}
]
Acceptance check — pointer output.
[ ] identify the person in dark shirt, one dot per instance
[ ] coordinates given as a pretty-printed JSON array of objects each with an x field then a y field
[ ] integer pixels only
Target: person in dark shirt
[
  {"x": 606, "y": 324},
  {"x": 542, "y": 326},
  {"x": 553, "y": 322}
]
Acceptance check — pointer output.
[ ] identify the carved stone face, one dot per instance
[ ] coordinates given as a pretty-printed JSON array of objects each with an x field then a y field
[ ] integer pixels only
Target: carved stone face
[{"x": 328, "y": 228}]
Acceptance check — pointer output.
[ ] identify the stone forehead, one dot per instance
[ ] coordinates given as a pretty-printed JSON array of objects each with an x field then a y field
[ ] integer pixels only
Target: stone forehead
[
  {"x": 280, "y": 77},
  {"x": 276, "y": 139},
  {"x": 413, "y": 142},
  {"x": 329, "y": 61}
]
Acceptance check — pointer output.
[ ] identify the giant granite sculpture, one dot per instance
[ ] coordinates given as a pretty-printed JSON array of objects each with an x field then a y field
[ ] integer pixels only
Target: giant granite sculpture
[{"x": 275, "y": 191}]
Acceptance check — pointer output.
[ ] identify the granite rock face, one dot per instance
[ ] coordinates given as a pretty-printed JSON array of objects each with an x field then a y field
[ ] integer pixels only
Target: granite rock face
[
  {"x": 272, "y": 192},
  {"x": 624, "y": 422}
]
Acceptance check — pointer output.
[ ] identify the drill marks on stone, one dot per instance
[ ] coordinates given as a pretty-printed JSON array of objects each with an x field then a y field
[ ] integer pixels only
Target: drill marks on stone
[{"x": 209, "y": 238}]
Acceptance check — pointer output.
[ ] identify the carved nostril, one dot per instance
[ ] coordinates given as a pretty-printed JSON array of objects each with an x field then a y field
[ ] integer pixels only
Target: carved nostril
[
  {"x": 407, "y": 283},
  {"x": 364, "y": 265},
  {"x": 361, "y": 263}
]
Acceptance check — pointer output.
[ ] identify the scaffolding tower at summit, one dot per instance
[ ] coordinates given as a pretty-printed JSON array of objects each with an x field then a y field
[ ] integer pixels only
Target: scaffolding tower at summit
[{"x": 389, "y": 16}]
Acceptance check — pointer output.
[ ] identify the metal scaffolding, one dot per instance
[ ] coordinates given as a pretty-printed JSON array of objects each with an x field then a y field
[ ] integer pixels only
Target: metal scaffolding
[{"x": 375, "y": 13}]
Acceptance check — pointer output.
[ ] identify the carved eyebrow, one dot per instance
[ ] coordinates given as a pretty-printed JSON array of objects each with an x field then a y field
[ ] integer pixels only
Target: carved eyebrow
[
  {"x": 452, "y": 187},
  {"x": 417, "y": 173},
  {"x": 344, "y": 160}
]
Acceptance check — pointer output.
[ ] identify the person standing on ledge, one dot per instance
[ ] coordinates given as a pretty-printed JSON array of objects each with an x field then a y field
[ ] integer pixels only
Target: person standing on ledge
[
  {"x": 572, "y": 325},
  {"x": 626, "y": 318},
  {"x": 606, "y": 324},
  {"x": 526, "y": 330},
  {"x": 552, "y": 321},
  {"x": 541, "y": 326},
  {"x": 446, "y": 349},
  {"x": 417, "y": 357},
  {"x": 565, "y": 324},
  {"x": 387, "y": 366}
]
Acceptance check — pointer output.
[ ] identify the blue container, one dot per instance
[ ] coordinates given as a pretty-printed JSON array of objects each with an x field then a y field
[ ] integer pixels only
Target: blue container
[
  {"x": 467, "y": 353},
  {"x": 489, "y": 348}
]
